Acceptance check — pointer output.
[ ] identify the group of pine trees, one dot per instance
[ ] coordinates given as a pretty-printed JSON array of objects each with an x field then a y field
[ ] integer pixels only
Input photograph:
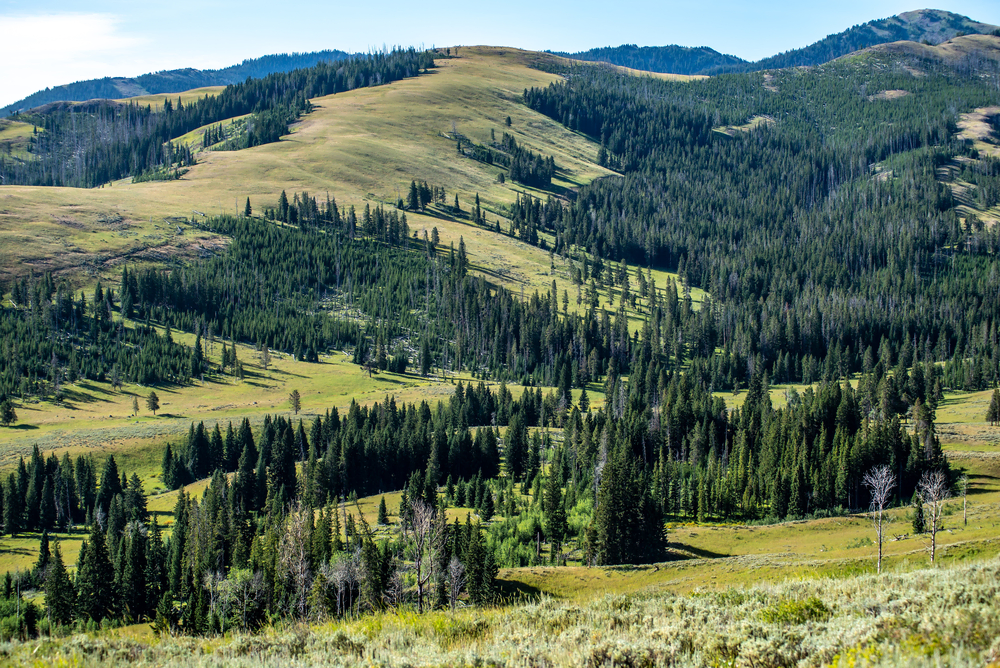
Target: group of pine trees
[{"x": 52, "y": 337}]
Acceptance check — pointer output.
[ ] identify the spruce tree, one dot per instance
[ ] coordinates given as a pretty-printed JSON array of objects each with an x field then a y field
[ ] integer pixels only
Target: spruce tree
[
  {"x": 95, "y": 579},
  {"x": 60, "y": 598},
  {"x": 383, "y": 513}
]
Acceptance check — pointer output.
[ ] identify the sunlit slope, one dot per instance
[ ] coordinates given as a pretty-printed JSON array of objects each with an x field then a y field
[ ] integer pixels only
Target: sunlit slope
[{"x": 362, "y": 145}]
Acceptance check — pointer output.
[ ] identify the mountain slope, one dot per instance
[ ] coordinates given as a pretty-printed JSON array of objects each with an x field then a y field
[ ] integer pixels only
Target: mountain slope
[
  {"x": 360, "y": 146},
  {"x": 930, "y": 25},
  {"x": 671, "y": 59},
  {"x": 172, "y": 81}
]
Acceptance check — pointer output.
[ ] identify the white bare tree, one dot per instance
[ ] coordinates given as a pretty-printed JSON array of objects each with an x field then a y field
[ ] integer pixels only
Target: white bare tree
[
  {"x": 456, "y": 580},
  {"x": 880, "y": 482},
  {"x": 422, "y": 533},
  {"x": 933, "y": 491},
  {"x": 212, "y": 582},
  {"x": 294, "y": 555},
  {"x": 241, "y": 592}
]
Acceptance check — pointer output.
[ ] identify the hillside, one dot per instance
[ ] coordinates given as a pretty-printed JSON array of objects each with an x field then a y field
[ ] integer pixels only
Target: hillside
[
  {"x": 171, "y": 81},
  {"x": 388, "y": 352},
  {"x": 926, "y": 25},
  {"x": 671, "y": 59}
]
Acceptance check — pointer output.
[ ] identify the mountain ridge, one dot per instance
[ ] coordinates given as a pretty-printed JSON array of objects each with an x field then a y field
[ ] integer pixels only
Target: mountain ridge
[
  {"x": 172, "y": 81},
  {"x": 931, "y": 25}
]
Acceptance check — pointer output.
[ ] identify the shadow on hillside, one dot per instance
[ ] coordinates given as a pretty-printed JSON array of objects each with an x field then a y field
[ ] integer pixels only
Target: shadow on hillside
[
  {"x": 23, "y": 427},
  {"x": 680, "y": 551},
  {"x": 515, "y": 590}
]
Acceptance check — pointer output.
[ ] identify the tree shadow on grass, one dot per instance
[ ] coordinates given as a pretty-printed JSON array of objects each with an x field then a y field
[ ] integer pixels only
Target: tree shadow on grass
[
  {"x": 515, "y": 590},
  {"x": 24, "y": 427},
  {"x": 680, "y": 552}
]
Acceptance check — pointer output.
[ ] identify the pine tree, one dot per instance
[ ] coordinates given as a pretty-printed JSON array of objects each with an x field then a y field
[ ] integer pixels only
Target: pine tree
[
  {"x": 44, "y": 555},
  {"x": 413, "y": 200},
  {"x": 111, "y": 485},
  {"x": 555, "y": 513},
  {"x": 247, "y": 210},
  {"x": 12, "y": 507},
  {"x": 383, "y": 513},
  {"x": 133, "y": 572},
  {"x": 60, "y": 599},
  {"x": 993, "y": 412},
  {"x": 7, "y": 414},
  {"x": 95, "y": 579},
  {"x": 153, "y": 402}
]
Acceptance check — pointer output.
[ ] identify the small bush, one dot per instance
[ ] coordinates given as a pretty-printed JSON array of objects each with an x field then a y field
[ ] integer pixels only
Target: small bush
[{"x": 796, "y": 612}]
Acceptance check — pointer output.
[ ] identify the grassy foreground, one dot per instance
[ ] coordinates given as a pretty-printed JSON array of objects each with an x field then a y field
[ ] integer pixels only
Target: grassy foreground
[{"x": 923, "y": 618}]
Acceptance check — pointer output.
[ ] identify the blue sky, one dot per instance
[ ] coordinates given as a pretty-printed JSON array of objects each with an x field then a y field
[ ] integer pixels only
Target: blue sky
[{"x": 52, "y": 42}]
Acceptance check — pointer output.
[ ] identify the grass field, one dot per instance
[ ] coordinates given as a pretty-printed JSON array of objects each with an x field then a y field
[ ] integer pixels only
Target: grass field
[
  {"x": 14, "y": 138},
  {"x": 187, "y": 97}
]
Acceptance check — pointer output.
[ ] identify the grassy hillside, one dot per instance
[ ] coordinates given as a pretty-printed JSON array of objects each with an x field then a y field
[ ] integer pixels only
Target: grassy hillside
[{"x": 365, "y": 145}]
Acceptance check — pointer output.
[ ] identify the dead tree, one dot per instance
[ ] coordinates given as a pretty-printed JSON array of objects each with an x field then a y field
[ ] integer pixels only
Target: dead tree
[
  {"x": 880, "y": 482},
  {"x": 422, "y": 531},
  {"x": 933, "y": 491}
]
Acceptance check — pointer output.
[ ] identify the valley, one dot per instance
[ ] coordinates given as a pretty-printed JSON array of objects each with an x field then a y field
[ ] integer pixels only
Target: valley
[{"x": 499, "y": 356}]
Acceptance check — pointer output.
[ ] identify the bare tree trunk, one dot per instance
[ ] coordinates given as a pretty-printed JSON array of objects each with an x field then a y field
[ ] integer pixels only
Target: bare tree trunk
[
  {"x": 880, "y": 482},
  {"x": 933, "y": 489}
]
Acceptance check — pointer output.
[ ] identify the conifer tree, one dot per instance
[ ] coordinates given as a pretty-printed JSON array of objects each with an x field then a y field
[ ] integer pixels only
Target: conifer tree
[
  {"x": 383, "y": 513},
  {"x": 8, "y": 415},
  {"x": 95, "y": 579},
  {"x": 993, "y": 412},
  {"x": 60, "y": 598},
  {"x": 555, "y": 513},
  {"x": 153, "y": 402}
]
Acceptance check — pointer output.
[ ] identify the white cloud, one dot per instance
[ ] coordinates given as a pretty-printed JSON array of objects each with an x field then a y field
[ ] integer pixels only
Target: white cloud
[{"x": 53, "y": 49}]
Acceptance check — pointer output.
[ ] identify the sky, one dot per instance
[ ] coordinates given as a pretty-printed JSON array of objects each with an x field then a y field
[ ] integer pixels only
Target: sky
[{"x": 52, "y": 42}]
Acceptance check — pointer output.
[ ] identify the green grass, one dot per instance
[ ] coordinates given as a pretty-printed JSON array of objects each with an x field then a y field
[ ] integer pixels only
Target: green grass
[{"x": 14, "y": 138}]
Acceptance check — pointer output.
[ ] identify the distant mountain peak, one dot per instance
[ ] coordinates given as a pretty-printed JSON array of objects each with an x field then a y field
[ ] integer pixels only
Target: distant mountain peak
[{"x": 932, "y": 26}]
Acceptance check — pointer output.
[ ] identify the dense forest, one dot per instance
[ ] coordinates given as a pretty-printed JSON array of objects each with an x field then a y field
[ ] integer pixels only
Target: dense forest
[
  {"x": 96, "y": 143},
  {"x": 804, "y": 231},
  {"x": 671, "y": 59}
]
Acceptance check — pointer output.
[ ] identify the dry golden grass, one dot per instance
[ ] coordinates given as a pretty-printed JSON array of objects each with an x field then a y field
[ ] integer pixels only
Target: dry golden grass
[
  {"x": 187, "y": 97},
  {"x": 364, "y": 145}
]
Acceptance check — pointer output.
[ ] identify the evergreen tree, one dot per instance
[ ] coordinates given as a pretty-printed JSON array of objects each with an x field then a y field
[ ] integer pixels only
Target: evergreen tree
[
  {"x": 111, "y": 484},
  {"x": 132, "y": 577},
  {"x": 153, "y": 402},
  {"x": 383, "y": 513},
  {"x": 993, "y": 412},
  {"x": 8, "y": 415},
  {"x": 95, "y": 579},
  {"x": 60, "y": 598},
  {"x": 555, "y": 513}
]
